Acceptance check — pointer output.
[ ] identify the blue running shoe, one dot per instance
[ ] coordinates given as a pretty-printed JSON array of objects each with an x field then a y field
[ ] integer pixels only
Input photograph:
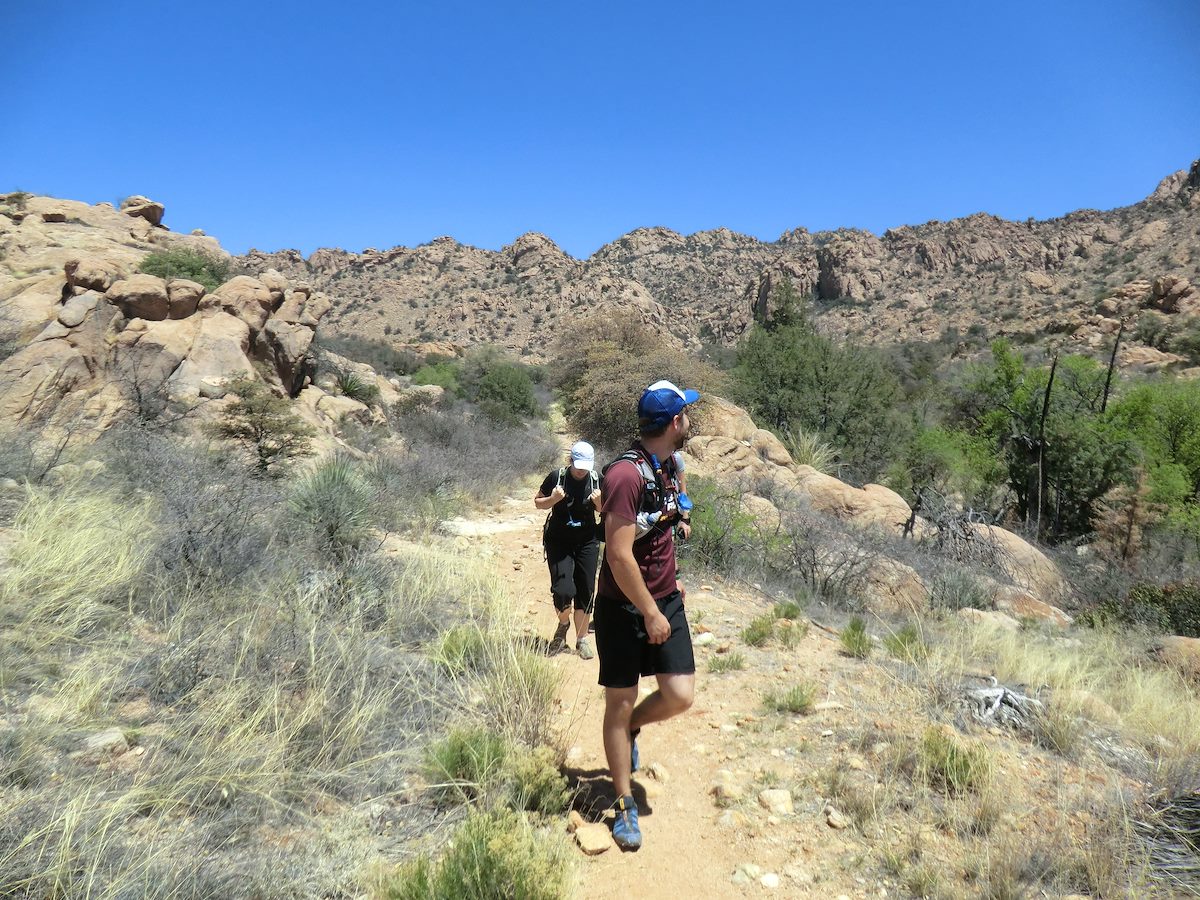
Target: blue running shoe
[
  {"x": 625, "y": 828},
  {"x": 633, "y": 753}
]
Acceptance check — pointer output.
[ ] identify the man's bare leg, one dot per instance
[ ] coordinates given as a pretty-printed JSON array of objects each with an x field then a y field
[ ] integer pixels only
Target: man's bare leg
[
  {"x": 674, "y": 695},
  {"x": 618, "y": 707}
]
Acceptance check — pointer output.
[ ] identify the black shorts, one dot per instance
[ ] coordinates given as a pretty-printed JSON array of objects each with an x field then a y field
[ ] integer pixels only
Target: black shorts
[
  {"x": 573, "y": 574},
  {"x": 625, "y": 651}
]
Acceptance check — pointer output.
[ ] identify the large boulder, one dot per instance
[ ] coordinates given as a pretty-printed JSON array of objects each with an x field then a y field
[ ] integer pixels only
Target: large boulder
[
  {"x": 75, "y": 310},
  {"x": 870, "y": 505},
  {"x": 92, "y": 273},
  {"x": 288, "y": 345},
  {"x": 140, "y": 297},
  {"x": 143, "y": 208},
  {"x": 1181, "y": 654},
  {"x": 1025, "y": 565},
  {"x": 220, "y": 350},
  {"x": 28, "y": 311},
  {"x": 184, "y": 297},
  {"x": 242, "y": 296}
]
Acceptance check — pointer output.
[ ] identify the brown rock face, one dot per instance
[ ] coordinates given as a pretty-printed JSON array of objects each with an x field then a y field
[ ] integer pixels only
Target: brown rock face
[
  {"x": 1181, "y": 653},
  {"x": 92, "y": 273},
  {"x": 288, "y": 344},
  {"x": 245, "y": 297},
  {"x": 140, "y": 297},
  {"x": 143, "y": 208},
  {"x": 184, "y": 297}
]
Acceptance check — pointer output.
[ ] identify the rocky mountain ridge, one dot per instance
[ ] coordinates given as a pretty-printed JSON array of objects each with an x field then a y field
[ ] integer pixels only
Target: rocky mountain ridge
[{"x": 1074, "y": 276}]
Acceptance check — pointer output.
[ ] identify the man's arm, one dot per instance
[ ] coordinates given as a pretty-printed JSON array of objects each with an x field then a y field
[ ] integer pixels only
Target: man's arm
[{"x": 618, "y": 550}]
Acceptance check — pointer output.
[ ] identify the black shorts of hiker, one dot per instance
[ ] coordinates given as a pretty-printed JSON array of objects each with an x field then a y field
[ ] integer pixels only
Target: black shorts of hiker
[{"x": 571, "y": 539}]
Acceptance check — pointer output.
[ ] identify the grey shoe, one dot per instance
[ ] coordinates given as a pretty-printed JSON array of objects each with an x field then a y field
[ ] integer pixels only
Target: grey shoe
[{"x": 584, "y": 648}]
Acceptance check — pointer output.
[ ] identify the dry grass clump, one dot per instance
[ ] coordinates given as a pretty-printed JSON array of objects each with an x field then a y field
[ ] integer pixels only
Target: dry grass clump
[
  {"x": 273, "y": 701},
  {"x": 797, "y": 700},
  {"x": 726, "y": 662},
  {"x": 855, "y": 640},
  {"x": 952, "y": 764}
]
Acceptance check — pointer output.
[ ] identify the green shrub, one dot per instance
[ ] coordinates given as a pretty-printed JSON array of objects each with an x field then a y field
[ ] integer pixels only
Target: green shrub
[
  {"x": 356, "y": 388},
  {"x": 727, "y": 662},
  {"x": 790, "y": 633},
  {"x": 443, "y": 373},
  {"x": 906, "y": 644},
  {"x": 335, "y": 501},
  {"x": 466, "y": 763},
  {"x": 855, "y": 640},
  {"x": 948, "y": 763},
  {"x": 494, "y": 856},
  {"x": 264, "y": 424},
  {"x": 505, "y": 393},
  {"x": 209, "y": 271},
  {"x": 462, "y": 650},
  {"x": 1173, "y": 608},
  {"x": 760, "y": 630},
  {"x": 722, "y": 533},
  {"x": 536, "y": 784},
  {"x": 788, "y": 609},
  {"x": 954, "y": 589},
  {"x": 797, "y": 699}
]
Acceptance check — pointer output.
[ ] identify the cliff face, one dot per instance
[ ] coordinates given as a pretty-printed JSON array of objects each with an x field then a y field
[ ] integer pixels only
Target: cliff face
[{"x": 979, "y": 273}]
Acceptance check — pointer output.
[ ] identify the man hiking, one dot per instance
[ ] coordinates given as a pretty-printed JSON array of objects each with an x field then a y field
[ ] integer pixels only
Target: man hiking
[
  {"x": 641, "y": 628},
  {"x": 571, "y": 539}
]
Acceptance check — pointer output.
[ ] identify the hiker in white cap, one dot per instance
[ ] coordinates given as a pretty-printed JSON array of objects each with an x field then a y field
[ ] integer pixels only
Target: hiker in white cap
[{"x": 571, "y": 538}]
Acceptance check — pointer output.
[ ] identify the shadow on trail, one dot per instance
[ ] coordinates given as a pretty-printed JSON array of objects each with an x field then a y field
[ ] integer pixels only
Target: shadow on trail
[{"x": 592, "y": 793}]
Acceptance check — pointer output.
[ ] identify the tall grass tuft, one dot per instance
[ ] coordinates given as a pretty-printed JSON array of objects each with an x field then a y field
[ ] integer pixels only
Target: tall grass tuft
[
  {"x": 855, "y": 640},
  {"x": 493, "y": 856},
  {"x": 335, "y": 501},
  {"x": 74, "y": 555}
]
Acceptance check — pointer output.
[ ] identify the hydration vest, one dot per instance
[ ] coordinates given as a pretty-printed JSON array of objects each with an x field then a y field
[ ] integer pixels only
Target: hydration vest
[
  {"x": 661, "y": 499},
  {"x": 593, "y": 484}
]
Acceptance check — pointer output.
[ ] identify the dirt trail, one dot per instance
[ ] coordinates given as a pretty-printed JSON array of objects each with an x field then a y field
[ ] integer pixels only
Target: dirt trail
[{"x": 693, "y": 845}]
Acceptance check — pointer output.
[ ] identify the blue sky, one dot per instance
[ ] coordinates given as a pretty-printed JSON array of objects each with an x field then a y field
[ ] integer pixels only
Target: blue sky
[{"x": 362, "y": 124}]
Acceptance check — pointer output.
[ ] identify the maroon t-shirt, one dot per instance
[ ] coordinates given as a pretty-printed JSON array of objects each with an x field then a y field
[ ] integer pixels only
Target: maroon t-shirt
[{"x": 655, "y": 554}]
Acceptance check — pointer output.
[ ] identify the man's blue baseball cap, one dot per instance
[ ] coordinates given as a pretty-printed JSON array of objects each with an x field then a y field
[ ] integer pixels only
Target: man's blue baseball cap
[{"x": 660, "y": 403}]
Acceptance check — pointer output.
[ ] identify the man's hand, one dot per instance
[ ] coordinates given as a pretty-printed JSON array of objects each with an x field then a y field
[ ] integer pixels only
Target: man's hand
[
  {"x": 558, "y": 493},
  {"x": 685, "y": 529},
  {"x": 658, "y": 629},
  {"x": 595, "y": 498}
]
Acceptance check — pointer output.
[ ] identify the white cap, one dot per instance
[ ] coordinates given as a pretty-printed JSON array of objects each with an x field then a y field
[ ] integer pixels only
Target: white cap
[{"x": 583, "y": 456}]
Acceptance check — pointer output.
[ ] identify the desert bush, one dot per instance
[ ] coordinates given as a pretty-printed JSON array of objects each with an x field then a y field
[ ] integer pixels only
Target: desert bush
[
  {"x": 906, "y": 644},
  {"x": 953, "y": 588},
  {"x": 379, "y": 355},
  {"x": 798, "y": 699},
  {"x": 855, "y": 640},
  {"x": 1058, "y": 728},
  {"x": 760, "y": 630},
  {"x": 443, "y": 373},
  {"x": 453, "y": 456},
  {"x": 790, "y": 633},
  {"x": 600, "y": 365},
  {"x": 209, "y": 271},
  {"x": 466, "y": 763},
  {"x": 1173, "y": 608},
  {"x": 948, "y": 763},
  {"x": 264, "y": 424},
  {"x": 352, "y": 385},
  {"x": 493, "y": 856},
  {"x": 723, "y": 536},
  {"x": 726, "y": 662},
  {"x": 535, "y": 782},
  {"x": 334, "y": 500},
  {"x": 212, "y": 527},
  {"x": 501, "y": 387}
]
